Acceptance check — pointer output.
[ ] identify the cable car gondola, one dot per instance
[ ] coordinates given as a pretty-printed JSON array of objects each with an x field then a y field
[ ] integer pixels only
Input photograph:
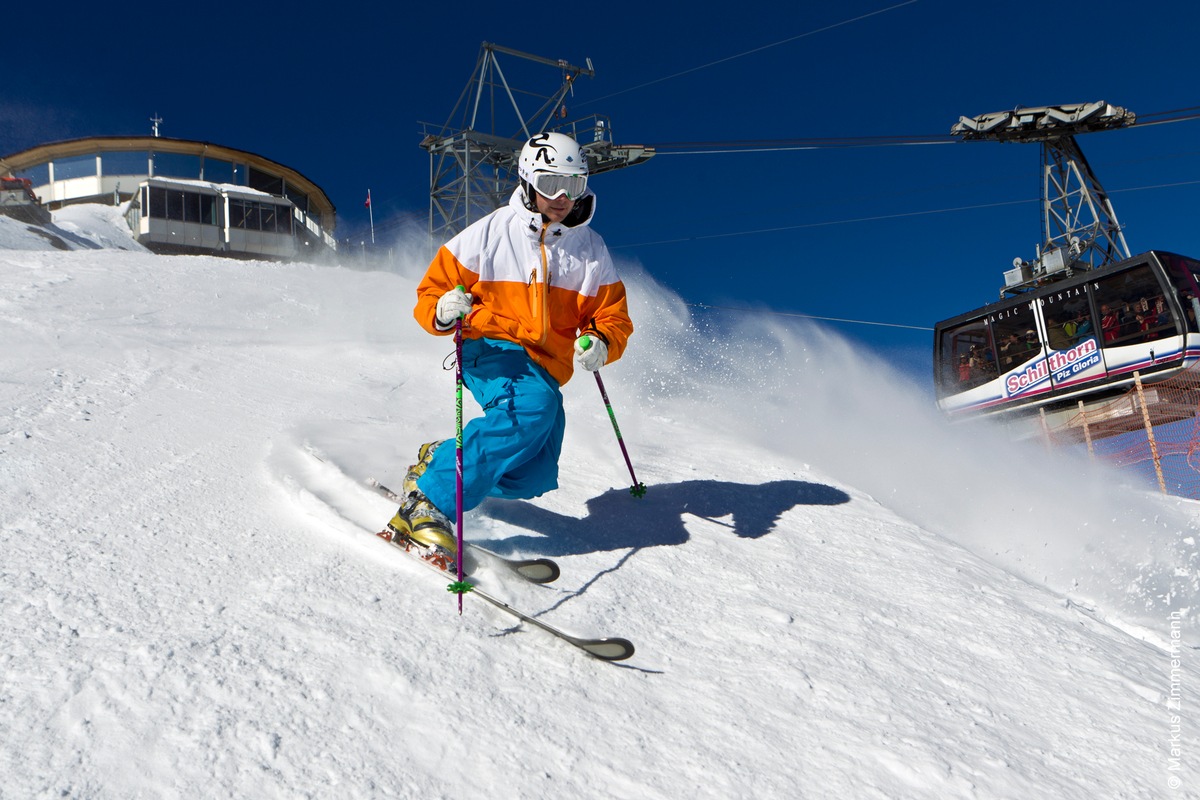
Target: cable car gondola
[
  {"x": 1086, "y": 318},
  {"x": 1077, "y": 338}
]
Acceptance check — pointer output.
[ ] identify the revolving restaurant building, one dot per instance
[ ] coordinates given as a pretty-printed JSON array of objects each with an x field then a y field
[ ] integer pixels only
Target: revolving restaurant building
[{"x": 186, "y": 196}]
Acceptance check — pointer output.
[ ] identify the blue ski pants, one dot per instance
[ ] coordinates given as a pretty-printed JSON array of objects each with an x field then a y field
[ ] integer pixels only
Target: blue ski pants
[{"x": 512, "y": 450}]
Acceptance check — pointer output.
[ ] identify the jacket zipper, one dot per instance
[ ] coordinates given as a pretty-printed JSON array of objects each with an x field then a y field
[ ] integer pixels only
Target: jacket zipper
[{"x": 541, "y": 290}]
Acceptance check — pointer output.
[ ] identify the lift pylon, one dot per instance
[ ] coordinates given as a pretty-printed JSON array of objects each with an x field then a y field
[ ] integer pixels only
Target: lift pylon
[
  {"x": 473, "y": 156},
  {"x": 1079, "y": 226}
]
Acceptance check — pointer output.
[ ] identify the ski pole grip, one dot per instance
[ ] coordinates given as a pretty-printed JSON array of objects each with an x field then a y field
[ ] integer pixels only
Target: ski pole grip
[{"x": 585, "y": 342}]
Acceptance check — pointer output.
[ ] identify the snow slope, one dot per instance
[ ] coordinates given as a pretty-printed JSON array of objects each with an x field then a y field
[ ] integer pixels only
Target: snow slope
[{"x": 832, "y": 593}]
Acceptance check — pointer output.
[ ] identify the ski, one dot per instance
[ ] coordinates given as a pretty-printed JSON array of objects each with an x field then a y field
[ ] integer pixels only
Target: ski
[
  {"x": 534, "y": 570},
  {"x": 605, "y": 649},
  {"x": 610, "y": 648}
]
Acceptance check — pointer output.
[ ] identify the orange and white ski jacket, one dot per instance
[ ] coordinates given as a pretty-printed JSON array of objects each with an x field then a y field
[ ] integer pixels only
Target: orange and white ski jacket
[{"x": 541, "y": 285}]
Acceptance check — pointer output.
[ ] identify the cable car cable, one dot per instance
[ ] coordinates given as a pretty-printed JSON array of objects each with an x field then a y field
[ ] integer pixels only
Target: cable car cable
[
  {"x": 845, "y": 142},
  {"x": 770, "y": 312},
  {"x": 750, "y": 52}
]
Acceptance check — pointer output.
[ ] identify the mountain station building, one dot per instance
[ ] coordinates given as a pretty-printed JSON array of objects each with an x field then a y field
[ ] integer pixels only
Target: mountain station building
[{"x": 185, "y": 196}]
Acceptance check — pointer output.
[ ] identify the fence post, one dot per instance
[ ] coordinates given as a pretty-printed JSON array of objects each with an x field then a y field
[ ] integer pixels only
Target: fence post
[
  {"x": 1047, "y": 439},
  {"x": 1087, "y": 431},
  {"x": 1162, "y": 484}
]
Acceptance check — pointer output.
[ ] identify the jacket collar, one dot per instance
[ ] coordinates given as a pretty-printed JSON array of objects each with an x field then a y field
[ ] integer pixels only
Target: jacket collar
[{"x": 580, "y": 217}]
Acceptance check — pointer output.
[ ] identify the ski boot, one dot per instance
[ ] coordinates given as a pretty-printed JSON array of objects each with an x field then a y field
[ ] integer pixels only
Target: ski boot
[
  {"x": 424, "y": 456},
  {"x": 419, "y": 521}
]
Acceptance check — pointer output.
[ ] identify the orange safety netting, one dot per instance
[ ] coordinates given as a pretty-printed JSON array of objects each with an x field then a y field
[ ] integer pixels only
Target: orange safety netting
[{"x": 1153, "y": 429}]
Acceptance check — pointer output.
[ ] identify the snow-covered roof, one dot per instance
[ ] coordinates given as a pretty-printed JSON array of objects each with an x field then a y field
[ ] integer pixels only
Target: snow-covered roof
[
  {"x": 218, "y": 188},
  {"x": 319, "y": 202}
]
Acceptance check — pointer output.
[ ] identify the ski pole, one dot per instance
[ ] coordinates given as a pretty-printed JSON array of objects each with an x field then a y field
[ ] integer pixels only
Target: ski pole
[
  {"x": 638, "y": 489},
  {"x": 459, "y": 587}
]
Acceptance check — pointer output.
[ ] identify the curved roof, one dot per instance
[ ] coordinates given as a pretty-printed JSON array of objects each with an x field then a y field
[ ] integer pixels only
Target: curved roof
[{"x": 25, "y": 159}]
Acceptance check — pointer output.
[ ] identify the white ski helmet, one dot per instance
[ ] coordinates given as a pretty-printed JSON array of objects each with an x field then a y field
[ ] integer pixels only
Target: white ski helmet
[{"x": 553, "y": 164}]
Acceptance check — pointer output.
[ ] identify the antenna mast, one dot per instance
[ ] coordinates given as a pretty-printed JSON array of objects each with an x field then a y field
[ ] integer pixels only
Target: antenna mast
[
  {"x": 1080, "y": 230},
  {"x": 473, "y": 156}
]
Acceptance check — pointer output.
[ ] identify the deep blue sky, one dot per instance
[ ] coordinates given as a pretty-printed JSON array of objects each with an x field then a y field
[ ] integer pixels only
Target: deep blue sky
[{"x": 902, "y": 235}]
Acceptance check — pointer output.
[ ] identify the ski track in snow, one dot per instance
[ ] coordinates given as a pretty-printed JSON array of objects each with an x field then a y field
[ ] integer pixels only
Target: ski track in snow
[{"x": 193, "y": 603}]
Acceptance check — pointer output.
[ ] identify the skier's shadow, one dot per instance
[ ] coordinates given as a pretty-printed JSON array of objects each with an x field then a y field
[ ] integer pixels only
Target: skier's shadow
[{"x": 616, "y": 520}]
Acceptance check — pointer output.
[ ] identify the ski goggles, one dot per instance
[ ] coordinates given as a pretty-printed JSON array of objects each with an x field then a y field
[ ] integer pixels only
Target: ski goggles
[{"x": 551, "y": 185}]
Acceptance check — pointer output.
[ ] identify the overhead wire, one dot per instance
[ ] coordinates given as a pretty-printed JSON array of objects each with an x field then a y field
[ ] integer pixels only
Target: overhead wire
[
  {"x": 753, "y": 51},
  {"x": 824, "y": 143},
  {"x": 775, "y": 313},
  {"x": 846, "y": 142},
  {"x": 778, "y": 145},
  {"x": 821, "y": 224},
  {"x": 1159, "y": 118},
  {"x": 1176, "y": 115},
  {"x": 808, "y": 144}
]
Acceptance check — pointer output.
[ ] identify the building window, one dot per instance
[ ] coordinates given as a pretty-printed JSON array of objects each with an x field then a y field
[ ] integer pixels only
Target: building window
[
  {"x": 158, "y": 203},
  {"x": 39, "y": 174},
  {"x": 125, "y": 163},
  {"x": 191, "y": 207},
  {"x": 208, "y": 209},
  {"x": 77, "y": 167},
  {"x": 176, "y": 165},
  {"x": 264, "y": 182},
  {"x": 299, "y": 199},
  {"x": 174, "y": 204},
  {"x": 163, "y": 203}
]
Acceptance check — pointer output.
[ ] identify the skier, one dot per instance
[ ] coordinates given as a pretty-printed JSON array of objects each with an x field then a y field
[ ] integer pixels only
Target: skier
[{"x": 534, "y": 286}]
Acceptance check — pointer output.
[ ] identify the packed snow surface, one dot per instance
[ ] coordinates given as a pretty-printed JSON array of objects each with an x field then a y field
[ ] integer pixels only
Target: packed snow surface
[{"x": 832, "y": 592}]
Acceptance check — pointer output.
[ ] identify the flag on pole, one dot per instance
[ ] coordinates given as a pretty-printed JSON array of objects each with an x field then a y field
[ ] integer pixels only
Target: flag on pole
[{"x": 372, "y": 212}]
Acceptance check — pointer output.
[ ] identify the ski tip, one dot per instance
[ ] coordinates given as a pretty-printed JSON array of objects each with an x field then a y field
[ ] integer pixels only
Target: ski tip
[
  {"x": 538, "y": 570},
  {"x": 613, "y": 649},
  {"x": 383, "y": 490}
]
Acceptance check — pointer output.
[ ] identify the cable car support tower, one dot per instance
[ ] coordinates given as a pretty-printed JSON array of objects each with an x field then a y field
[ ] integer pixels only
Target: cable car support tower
[
  {"x": 1079, "y": 227},
  {"x": 473, "y": 156}
]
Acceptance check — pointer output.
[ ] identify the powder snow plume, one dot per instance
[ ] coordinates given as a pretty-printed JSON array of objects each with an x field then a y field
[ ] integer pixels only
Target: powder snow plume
[
  {"x": 833, "y": 593},
  {"x": 1084, "y": 530}
]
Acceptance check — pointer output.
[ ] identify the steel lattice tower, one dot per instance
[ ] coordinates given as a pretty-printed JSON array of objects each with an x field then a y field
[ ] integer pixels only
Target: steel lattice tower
[
  {"x": 473, "y": 156},
  {"x": 1079, "y": 226}
]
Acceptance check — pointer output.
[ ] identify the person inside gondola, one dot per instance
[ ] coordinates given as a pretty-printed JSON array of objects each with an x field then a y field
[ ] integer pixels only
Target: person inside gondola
[
  {"x": 1071, "y": 326},
  {"x": 1143, "y": 319},
  {"x": 1059, "y": 339},
  {"x": 1162, "y": 316},
  {"x": 1190, "y": 304},
  {"x": 1129, "y": 321},
  {"x": 1084, "y": 327},
  {"x": 1009, "y": 349},
  {"x": 1110, "y": 323}
]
